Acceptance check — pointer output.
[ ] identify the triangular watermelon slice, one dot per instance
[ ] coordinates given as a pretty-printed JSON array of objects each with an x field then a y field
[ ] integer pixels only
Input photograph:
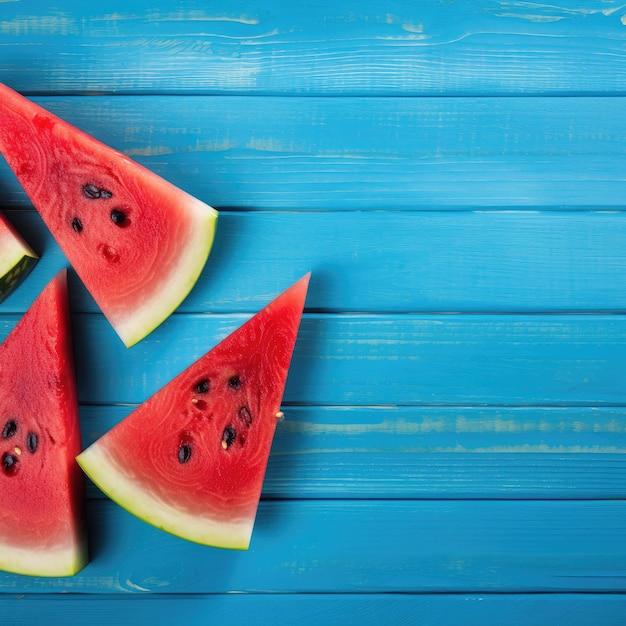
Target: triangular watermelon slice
[
  {"x": 191, "y": 459},
  {"x": 16, "y": 258},
  {"x": 137, "y": 242},
  {"x": 42, "y": 531}
]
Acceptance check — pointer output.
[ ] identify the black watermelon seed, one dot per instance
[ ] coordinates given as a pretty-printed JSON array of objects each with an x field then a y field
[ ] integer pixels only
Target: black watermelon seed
[
  {"x": 184, "y": 453},
  {"x": 91, "y": 191},
  {"x": 245, "y": 415},
  {"x": 118, "y": 217},
  {"x": 77, "y": 225},
  {"x": 32, "y": 441},
  {"x": 10, "y": 428},
  {"x": 94, "y": 193},
  {"x": 202, "y": 386},
  {"x": 234, "y": 382},
  {"x": 228, "y": 437},
  {"x": 9, "y": 464}
]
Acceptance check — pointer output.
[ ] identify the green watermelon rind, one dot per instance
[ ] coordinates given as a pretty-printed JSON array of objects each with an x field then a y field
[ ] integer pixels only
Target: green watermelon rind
[
  {"x": 13, "y": 273},
  {"x": 51, "y": 562},
  {"x": 119, "y": 486},
  {"x": 16, "y": 261}
]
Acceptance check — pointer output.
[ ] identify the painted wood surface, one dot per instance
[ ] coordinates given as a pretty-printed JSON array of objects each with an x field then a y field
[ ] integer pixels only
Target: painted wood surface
[
  {"x": 353, "y": 47},
  {"x": 364, "y": 359},
  {"x": 359, "y": 546},
  {"x": 354, "y": 609},
  {"x": 392, "y": 262},
  {"x": 453, "y": 176},
  {"x": 387, "y": 360},
  {"x": 367, "y": 153},
  {"x": 380, "y": 452}
]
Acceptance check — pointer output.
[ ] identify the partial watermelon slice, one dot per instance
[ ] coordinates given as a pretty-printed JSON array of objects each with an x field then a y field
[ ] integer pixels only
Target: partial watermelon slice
[
  {"x": 42, "y": 526},
  {"x": 16, "y": 258},
  {"x": 137, "y": 242},
  {"x": 191, "y": 460}
]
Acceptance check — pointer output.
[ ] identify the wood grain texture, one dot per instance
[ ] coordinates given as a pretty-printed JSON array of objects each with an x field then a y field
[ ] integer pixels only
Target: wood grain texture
[
  {"x": 392, "y": 359},
  {"x": 381, "y": 360},
  {"x": 467, "y": 261},
  {"x": 434, "y": 452},
  {"x": 354, "y": 47},
  {"x": 334, "y": 608},
  {"x": 453, "y": 175},
  {"x": 340, "y": 546},
  {"x": 366, "y": 153}
]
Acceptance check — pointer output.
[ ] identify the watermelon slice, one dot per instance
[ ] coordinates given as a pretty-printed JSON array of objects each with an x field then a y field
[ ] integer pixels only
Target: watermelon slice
[
  {"x": 42, "y": 530},
  {"x": 16, "y": 258},
  {"x": 191, "y": 459},
  {"x": 137, "y": 242}
]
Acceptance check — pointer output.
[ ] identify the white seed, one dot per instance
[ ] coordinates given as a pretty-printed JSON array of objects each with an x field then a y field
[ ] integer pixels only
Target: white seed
[
  {"x": 18, "y": 451},
  {"x": 280, "y": 415},
  {"x": 224, "y": 444}
]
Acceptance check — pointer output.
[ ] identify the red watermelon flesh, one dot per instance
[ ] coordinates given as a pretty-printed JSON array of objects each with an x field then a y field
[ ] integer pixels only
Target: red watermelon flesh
[
  {"x": 42, "y": 530},
  {"x": 191, "y": 460},
  {"x": 137, "y": 242},
  {"x": 16, "y": 258}
]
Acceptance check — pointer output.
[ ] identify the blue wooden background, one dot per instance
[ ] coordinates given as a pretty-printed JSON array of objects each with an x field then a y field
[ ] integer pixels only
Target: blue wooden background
[{"x": 454, "y": 175}]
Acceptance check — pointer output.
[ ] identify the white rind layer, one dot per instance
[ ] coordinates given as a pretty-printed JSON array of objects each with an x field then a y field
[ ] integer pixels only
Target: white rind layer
[
  {"x": 151, "y": 312},
  {"x": 116, "y": 484},
  {"x": 42, "y": 561},
  {"x": 12, "y": 250}
]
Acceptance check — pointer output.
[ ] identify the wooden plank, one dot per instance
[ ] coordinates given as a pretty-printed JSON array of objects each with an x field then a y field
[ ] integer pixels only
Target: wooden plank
[
  {"x": 392, "y": 261},
  {"x": 365, "y": 546},
  {"x": 397, "y": 47},
  {"x": 358, "y": 609},
  {"x": 434, "y": 452},
  {"x": 366, "y": 153},
  {"x": 386, "y": 359}
]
